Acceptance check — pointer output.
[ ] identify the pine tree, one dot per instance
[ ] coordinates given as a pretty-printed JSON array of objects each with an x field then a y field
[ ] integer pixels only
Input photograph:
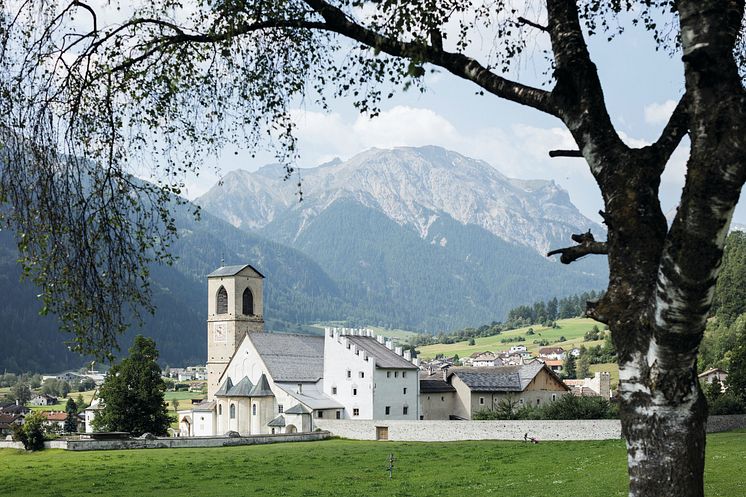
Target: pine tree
[
  {"x": 132, "y": 393},
  {"x": 570, "y": 367},
  {"x": 71, "y": 421}
]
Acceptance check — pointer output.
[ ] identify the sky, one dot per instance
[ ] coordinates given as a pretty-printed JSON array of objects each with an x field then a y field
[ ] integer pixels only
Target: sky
[{"x": 641, "y": 86}]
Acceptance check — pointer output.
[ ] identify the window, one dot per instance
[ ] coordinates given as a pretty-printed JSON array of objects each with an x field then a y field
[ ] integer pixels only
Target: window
[
  {"x": 248, "y": 303},
  {"x": 349, "y": 373},
  {"x": 442, "y": 398},
  {"x": 356, "y": 412},
  {"x": 220, "y": 409},
  {"x": 396, "y": 374},
  {"x": 554, "y": 397},
  {"x": 388, "y": 374},
  {"x": 233, "y": 411},
  {"x": 388, "y": 410},
  {"x": 354, "y": 391},
  {"x": 273, "y": 431},
  {"x": 221, "y": 306},
  {"x": 334, "y": 390},
  {"x": 404, "y": 390},
  {"x": 348, "y": 345},
  {"x": 481, "y": 400},
  {"x": 280, "y": 408},
  {"x": 405, "y": 410},
  {"x": 253, "y": 409},
  {"x": 520, "y": 401},
  {"x": 403, "y": 374},
  {"x": 538, "y": 401},
  {"x": 339, "y": 415},
  {"x": 357, "y": 351},
  {"x": 362, "y": 374},
  {"x": 319, "y": 414}
]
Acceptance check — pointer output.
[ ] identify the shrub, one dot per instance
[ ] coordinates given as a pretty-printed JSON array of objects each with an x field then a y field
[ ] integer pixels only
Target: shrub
[
  {"x": 31, "y": 433},
  {"x": 727, "y": 404},
  {"x": 572, "y": 407}
]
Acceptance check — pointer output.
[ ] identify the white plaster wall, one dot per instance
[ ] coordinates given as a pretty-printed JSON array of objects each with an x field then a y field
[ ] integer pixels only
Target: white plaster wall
[
  {"x": 338, "y": 359},
  {"x": 203, "y": 423},
  {"x": 437, "y": 405},
  {"x": 389, "y": 391}
]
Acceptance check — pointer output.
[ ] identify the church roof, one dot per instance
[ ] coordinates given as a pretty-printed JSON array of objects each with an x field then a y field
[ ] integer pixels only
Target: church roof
[
  {"x": 232, "y": 271},
  {"x": 224, "y": 388},
  {"x": 278, "y": 421},
  {"x": 241, "y": 389},
  {"x": 297, "y": 409},
  {"x": 261, "y": 389},
  {"x": 310, "y": 395},
  {"x": 289, "y": 357},
  {"x": 204, "y": 407},
  {"x": 385, "y": 357}
]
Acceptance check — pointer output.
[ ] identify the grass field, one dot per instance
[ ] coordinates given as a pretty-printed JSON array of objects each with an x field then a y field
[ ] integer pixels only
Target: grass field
[
  {"x": 344, "y": 468},
  {"x": 60, "y": 406},
  {"x": 572, "y": 329}
]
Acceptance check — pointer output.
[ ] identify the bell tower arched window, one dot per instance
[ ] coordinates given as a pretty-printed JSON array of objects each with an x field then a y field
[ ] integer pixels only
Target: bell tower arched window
[
  {"x": 222, "y": 301},
  {"x": 248, "y": 303}
]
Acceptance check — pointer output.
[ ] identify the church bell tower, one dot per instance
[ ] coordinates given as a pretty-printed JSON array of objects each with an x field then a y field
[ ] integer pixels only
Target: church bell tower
[{"x": 234, "y": 308}]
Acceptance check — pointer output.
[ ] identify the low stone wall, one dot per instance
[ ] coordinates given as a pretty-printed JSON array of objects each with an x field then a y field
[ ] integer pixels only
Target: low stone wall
[
  {"x": 173, "y": 442},
  {"x": 447, "y": 431}
]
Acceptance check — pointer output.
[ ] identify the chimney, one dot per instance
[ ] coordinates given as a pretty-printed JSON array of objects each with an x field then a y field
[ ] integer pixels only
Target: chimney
[
  {"x": 380, "y": 339},
  {"x": 408, "y": 354},
  {"x": 398, "y": 351},
  {"x": 416, "y": 361},
  {"x": 389, "y": 344}
]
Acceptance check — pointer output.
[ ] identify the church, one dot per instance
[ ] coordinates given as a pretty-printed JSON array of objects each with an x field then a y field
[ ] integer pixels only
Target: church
[{"x": 270, "y": 383}]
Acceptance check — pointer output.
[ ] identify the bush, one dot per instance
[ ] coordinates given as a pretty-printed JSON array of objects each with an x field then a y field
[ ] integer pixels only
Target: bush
[
  {"x": 572, "y": 407},
  {"x": 727, "y": 404},
  {"x": 31, "y": 433}
]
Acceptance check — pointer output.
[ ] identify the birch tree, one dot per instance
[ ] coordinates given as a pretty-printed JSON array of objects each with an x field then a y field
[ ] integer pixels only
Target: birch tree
[{"x": 216, "y": 71}]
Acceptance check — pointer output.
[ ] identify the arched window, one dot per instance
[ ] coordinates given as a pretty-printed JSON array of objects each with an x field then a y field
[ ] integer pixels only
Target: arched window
[
  {"x": 233, "y": 411},
  {"x": 222, "y": 301},
  {"x": 253, "y": 409},
  {"x": 220, "y": 409},
  {"x": 248, "y": 303}
]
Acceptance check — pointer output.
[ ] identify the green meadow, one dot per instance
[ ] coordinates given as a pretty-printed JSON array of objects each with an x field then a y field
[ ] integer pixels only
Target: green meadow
[
  {"x": 354, "y": 468},
  {"x": 572, "y": 329}
]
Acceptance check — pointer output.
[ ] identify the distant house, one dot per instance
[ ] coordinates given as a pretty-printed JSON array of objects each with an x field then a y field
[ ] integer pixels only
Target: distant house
[
  {"x": 7, "y": 421},
  {"x": 517, "y": 349},
  {"x": 55, "y": 420},
  {"x": 555, "y": 365},
  {"x": 486, "y": 359},
  {"x": 714, "y": 374},
  {"x": 43, "y": 400},
  {"x": 90, "y": 413},
  {"x": 552, "y": 353},
  {"x": 483, "y": 388},
  {"x": 598, "y": 386},
  {"x": 14, "y": 409}
]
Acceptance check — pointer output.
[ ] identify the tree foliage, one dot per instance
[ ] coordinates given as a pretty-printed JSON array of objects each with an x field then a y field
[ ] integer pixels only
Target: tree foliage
[
  {"x": 71, "y": 421},
  {"x": 132, "y": 393},
  {"x": 31, "y": 432}
]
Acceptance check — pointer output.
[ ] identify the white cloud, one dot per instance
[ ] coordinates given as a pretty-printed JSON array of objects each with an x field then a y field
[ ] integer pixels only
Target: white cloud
[{"x": 656, "y": 113}]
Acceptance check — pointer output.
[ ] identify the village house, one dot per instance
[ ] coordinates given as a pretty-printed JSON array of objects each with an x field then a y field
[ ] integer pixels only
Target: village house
[
  {"x": 555, "y": 365},
  {"x": 43, "y": 400},
  {"x": 264, "y": 383},
  {"x": 552, "y": 353},
  {"x": 8, "y": 421},
  {"x": 55, "y": 420},
  {"x": 485, "y": 359},
  {"x": 714, "y": 374},
  {"x": 598, "y": 386}
]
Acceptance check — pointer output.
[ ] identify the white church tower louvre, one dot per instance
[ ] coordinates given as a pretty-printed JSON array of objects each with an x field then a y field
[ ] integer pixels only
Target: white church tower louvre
[{"x": 234, "y": 308}]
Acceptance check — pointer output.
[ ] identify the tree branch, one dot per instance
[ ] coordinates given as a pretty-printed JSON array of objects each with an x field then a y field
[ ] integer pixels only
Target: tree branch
[
  {"x": 458, "y": 64},
  {"x": 675, "y": 130},
  {"x": 586, "y": 245},
  {"x": 523, "y": 20},
  {"x": 565, "y": 153}
]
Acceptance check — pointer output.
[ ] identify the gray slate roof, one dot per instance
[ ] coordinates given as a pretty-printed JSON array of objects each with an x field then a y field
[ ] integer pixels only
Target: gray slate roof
[
  {"x": 297, "y": 409},
  {"x": 261, "y": 389},
  {"x": 385, "y": 358},
  {"x": 289, "y": 357},
  {"x": 434, "y": 383},
  {"x": 498, "y": 379},
  {"x": 278, "y": 421},
  {"x": 310, "y": 396},
  {"x": 224, "y": 388},
  {"x": 204, "y": 407},
  {"x": 241, "y": 389},
  {"x": 232, "y": 271}
]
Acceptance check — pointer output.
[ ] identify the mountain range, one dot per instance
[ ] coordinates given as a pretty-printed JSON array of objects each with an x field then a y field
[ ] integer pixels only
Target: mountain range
[{"x": 417, "y": 238}]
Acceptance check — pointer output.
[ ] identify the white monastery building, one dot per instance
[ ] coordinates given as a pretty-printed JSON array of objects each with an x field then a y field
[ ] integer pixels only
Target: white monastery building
[{"x": 262, "y": 383}]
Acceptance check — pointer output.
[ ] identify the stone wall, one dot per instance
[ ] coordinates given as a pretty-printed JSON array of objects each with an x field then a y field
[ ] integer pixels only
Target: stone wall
[
  {"x": 173, "y": 442},
  {"x": 444, "y": 431}
]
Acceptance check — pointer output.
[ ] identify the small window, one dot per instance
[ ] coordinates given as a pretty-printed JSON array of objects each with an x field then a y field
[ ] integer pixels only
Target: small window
[
  {"x": 220, "y": 409},
  {"x": 222, "y": 301},
  {"x": 481, "y": 400},
  {"x": 354, "y": 391},
  {"x": 280, "y": 408},
  {"x": 538, "y": 401},
  {"x": 396, "y": 374},
  {"x": 348, "y": 345},
  {"x": 339, "y": 415},
  {"x": 356, "y": 412},
  {"x": 357, "y": 351},
  {"x": 405, "y": 410},
  {"x": 334, "y": 390},
  {"x": 520, "y": 401},
  {"x": 273, "y": 431},
  {"x": 388, "y": 374},
  {"x": 233, "y": 411},
  {"x": 403, "y": 374},
  {"x": 362, "y": 374},
  {"x": 247, "y": 307},
  {"x": 405, "y": 390},
  {"x": 442, "y": 398},
  {"x": 554, "y": 397},
  {"x": 349, "y": 373},
  {"x": 253, "y": 409},
  {"x": 388, "y": 410},
  {"x": 319, "y": 414}
]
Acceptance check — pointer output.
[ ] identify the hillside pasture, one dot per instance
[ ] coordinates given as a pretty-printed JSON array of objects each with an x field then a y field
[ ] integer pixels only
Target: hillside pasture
[
  {"x": 572, "y": 329},
  {"x": 353, "y": 468}
]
